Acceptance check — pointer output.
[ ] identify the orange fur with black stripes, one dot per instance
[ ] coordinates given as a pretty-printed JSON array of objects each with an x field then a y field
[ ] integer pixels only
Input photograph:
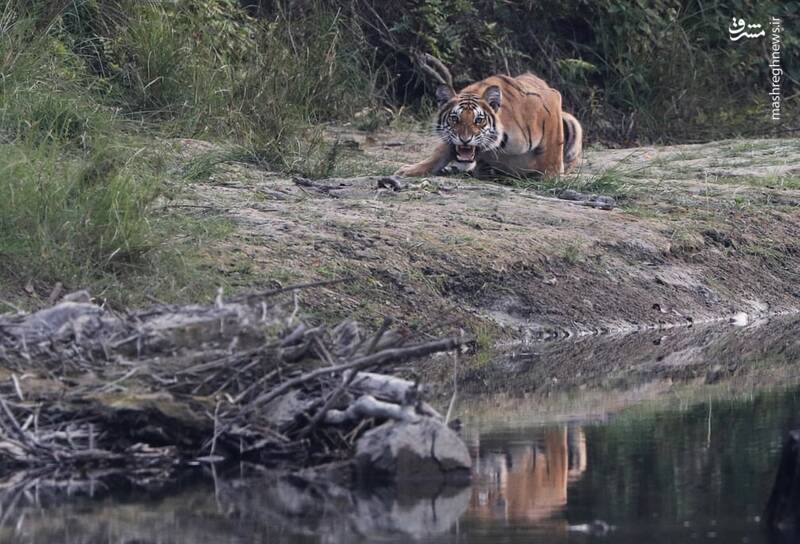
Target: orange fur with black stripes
[{"x": 513, "y": 126}]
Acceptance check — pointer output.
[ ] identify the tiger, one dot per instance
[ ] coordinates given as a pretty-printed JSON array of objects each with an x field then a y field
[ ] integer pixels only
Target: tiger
[{"x": 509, "y": 125}]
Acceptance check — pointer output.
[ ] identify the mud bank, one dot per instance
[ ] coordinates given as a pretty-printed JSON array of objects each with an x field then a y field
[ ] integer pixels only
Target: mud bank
[
  {"x": 699, "y": 232},
  {"x": 594, "y": 377}
]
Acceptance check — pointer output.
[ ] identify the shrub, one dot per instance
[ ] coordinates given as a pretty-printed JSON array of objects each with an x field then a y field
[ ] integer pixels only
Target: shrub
[
  {"x": 76, "y": 202},
  {"x": 660, "y": 70},
  {"x": 302, "y": 73},
  {"x": 70, "y": 220},
  {"x": 43, "y": 88}
]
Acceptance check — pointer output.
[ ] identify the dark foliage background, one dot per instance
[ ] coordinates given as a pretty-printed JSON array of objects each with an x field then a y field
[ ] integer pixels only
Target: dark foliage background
[
  {"x": 633, "y": 71},
  {"x": 663, "y": 70}
]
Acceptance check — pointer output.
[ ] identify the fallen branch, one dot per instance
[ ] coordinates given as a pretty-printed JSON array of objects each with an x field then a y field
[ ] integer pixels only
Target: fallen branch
[
  {"x": 396, "y": 355},
  {"x": 593, "y": 201},
  {"x": 318, "y": 187},
  {"x": 240, "y": 379},
  {"x": 391, "y": 182},
  {"x": 369, "y": 407},
  {"x": 384, "y": 387}
]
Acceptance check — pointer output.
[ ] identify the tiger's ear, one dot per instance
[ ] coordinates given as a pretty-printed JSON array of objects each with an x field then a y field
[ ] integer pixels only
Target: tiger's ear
[
  {"x": 493, "y": 96},
  {"x": 444, "y": 94}
]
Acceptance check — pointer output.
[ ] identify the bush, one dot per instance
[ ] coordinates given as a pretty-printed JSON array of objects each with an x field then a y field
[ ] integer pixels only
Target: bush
[
  {"x": 70, "y": 220},
  {"x": 43, "y": 88},
  {"x": 157, "y": 74},
  {"x": 76, "y": 201},
  {"x": 68, "y": 211},
  {"x": 632, "y": 71},
  {"x": 208, "y": 69},
  {"x": 660, "y": 70},
  {"x": 299, "y": 74}
]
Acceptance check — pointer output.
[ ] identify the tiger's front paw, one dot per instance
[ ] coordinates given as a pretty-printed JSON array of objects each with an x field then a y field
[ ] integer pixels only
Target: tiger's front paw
[{"x": 412, "y": 171}]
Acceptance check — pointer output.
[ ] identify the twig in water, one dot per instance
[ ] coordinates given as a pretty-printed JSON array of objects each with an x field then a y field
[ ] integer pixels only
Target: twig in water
[
  {"x": 455, "y": 388},
  {"x": 216, "y": 430}
]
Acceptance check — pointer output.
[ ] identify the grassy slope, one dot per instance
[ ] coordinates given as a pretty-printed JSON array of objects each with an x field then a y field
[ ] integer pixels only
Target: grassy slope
[
  {"x": 101, "y": 187},
  {"x": 87, "y": 99}
]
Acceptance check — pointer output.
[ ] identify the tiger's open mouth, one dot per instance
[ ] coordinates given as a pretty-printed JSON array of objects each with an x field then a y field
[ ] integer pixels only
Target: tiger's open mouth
[{"x": 465, "y": 153}]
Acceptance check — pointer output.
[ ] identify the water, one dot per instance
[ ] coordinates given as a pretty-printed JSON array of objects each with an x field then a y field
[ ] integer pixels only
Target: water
[
  {"x": 699, "y": 473},
  {"x": 694, "y": 465}
]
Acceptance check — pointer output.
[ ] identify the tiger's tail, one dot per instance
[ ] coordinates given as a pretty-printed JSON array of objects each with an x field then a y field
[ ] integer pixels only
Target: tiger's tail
[{"x": 573, "y": 140}]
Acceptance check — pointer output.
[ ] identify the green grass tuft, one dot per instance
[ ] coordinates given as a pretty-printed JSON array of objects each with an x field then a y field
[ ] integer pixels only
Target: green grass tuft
[
  {"x": 86, "y": 90},
  {"x": 613, "y": 181},
  {"x": 65, "y": 220}
]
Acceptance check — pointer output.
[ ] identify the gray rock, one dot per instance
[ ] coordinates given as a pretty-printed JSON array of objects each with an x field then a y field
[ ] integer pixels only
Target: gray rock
[
  {"x": 426, "y": 450},
  {"x": 603, "y": 202},
  {"x": 294, "y": 505},
  {"x": 571, "y": 194},
  {"x": 417, "y": 517}
]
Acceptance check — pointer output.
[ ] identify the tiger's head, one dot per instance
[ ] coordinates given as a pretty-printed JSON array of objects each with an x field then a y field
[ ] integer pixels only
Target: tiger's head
[{"x": 469, "y": 122}]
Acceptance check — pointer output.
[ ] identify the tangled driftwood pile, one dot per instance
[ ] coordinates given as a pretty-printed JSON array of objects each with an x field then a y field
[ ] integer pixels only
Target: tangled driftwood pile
[{"x": 82, "y": 386}]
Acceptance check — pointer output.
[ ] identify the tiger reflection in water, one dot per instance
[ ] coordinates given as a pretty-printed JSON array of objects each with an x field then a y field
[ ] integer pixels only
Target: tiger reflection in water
[{"x": 528, "y": 481}]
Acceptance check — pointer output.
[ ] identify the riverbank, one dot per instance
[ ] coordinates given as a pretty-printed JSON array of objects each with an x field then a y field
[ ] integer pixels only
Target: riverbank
[{"x": 698, "y": 232}]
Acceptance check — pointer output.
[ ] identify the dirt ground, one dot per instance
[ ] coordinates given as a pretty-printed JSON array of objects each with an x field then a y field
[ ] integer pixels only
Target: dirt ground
[{"x": 699, "y": 232}]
